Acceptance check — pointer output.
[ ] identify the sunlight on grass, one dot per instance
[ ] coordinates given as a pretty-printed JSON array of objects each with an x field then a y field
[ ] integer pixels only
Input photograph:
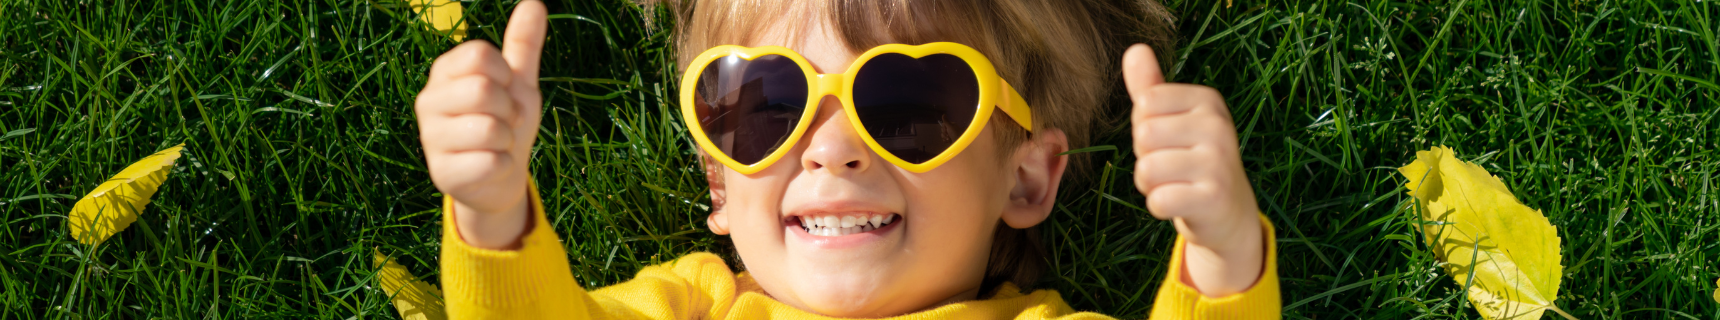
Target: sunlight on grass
[{"x": 302, "y": 155}]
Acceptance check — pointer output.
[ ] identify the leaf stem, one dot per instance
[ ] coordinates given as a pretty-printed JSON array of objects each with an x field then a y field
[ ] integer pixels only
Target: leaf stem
[{"x": 1561, "y": 312}]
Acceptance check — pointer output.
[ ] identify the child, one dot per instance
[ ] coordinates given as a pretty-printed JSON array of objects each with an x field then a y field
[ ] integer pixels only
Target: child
[{"x": 868, "y": 158}]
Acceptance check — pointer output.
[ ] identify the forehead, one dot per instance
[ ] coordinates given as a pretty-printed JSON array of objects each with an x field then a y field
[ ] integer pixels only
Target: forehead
[{"x": 814, "y": 38}]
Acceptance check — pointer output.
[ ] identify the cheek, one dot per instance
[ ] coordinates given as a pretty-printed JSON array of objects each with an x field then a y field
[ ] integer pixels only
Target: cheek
[
  {"x": 754, "y": 220},
  {"x": 963, "y": 199},
  {"x": 975, "y": 181},
  {"x": 956, "y": 205},
  {"x": 752, "y": 201}
]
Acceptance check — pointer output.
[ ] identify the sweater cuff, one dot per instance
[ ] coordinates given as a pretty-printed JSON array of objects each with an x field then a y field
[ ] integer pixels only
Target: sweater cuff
[
  {"x": 1177, "y": 300},
  {"x": 504, "y": 279}
]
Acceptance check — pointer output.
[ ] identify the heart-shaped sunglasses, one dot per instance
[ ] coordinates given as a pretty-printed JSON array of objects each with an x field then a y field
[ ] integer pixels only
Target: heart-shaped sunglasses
[{"x": 918, "y": 105}]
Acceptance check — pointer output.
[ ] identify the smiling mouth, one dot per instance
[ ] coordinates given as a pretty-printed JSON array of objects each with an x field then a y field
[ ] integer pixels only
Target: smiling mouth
[{"x": 841, "y": 225}]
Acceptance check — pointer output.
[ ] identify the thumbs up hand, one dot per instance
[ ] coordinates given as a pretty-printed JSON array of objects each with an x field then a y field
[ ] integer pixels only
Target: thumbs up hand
[
  {"x": 478, "y": 117},
  {"x": 1190, "y": 168}
]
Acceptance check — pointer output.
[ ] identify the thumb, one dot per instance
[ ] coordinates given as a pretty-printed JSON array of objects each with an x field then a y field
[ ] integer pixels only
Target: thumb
[
  {"x": 1141, "y": 70},
  {"x": 522, "y": 45}
]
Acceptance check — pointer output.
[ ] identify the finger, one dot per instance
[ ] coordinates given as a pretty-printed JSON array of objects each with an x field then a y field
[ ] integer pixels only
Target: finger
[
  {"x": 469, "y": 58},
  {"x": 1179, "y": 200},
  {"x": 1181, "y": 131},
  {"x": 1180, "y": 98},
  {"x": 467, "y": 95},
  {"x": 1175, "y": 166},
  {"x": 1161, "y": 133},
  {"x": 522, "y": 45},
  {"x": 1141, "y": 71},
  {"x": 467, "y": 172},
  {"x": 470, "y": 132}
]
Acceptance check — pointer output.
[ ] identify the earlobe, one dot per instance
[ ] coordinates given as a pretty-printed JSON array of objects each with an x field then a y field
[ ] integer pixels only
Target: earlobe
[
  {"x": 718, "y": 221},
  {"x": 1037, "y": 178}
]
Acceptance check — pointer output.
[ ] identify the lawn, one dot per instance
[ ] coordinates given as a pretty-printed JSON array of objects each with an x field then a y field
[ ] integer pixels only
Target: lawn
[{"x": 303, "y": 158}]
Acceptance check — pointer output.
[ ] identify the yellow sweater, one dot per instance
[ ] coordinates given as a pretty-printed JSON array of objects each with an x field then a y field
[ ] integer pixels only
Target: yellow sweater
[{"x": 535, "y": 282}]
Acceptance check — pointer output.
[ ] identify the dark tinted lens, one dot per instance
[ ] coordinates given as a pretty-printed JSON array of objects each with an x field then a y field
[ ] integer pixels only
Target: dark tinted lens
[
  {"x": 915, "y": 108},
  {"x": 749, "y": 107}
]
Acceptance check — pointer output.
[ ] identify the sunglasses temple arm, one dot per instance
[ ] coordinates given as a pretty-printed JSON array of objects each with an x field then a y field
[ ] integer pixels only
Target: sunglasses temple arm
[{"x": 1016, "y": 107}]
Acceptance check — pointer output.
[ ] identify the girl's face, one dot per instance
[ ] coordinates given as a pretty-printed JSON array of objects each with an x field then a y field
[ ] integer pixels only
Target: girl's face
[{"x": 935, "y": 247}]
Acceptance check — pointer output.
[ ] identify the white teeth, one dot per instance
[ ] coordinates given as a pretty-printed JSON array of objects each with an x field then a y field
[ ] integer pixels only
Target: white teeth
[{"x": 833, "y": 226}]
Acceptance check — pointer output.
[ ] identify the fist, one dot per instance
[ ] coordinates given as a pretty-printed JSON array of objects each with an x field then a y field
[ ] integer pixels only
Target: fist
[
  {"x": 1189, "y": 167},
  {"x": 478, "y": 117}
]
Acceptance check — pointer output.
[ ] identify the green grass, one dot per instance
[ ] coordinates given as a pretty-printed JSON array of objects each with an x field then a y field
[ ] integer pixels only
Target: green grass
[{"x": 302, "y": 153}]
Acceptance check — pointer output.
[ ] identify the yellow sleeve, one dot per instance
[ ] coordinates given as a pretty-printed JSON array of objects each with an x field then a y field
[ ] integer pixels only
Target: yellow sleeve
[
  {"x": 1177, "y": 300},
  {"x": 536, "y": 282}
]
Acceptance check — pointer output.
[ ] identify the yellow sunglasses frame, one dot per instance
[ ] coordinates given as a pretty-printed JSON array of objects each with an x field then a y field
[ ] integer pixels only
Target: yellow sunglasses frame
[{"x": 993, "y": 91}]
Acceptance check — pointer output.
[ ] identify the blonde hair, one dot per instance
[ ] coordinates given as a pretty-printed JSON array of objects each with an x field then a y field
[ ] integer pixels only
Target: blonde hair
[{"x": 1062, "y": 55}]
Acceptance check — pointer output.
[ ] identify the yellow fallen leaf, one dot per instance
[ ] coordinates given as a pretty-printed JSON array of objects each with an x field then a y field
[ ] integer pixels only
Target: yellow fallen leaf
[
  {"x": 1478, "y": 227},
  {"x": 443, "y": 16},
  {"x": 115, "y": 203},
  {"x": 414, "y": 299},
  {"x": 1717, "y": 290}
]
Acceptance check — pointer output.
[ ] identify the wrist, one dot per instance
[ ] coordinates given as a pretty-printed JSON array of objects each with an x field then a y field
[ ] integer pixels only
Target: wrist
[
  {"x": 1230, "y": 266},
  {"x": 495, "y": 230}
]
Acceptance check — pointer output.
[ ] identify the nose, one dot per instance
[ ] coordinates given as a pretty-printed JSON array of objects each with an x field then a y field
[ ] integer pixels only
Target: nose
[{"x": 834, "y": 145}]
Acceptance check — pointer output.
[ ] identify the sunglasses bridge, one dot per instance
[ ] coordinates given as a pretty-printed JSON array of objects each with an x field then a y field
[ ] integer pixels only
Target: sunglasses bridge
[{"x": 829, "y": 84}]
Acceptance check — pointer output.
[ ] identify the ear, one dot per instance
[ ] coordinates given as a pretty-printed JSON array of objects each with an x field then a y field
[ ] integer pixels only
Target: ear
[
  {"x": 1036, "y": 178},
  {"x": 718, "y": 221}
]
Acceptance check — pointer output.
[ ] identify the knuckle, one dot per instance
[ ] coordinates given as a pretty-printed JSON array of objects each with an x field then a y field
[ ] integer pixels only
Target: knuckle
[
  {"x": 478, "y": 92},
  {"x": 469, "y": 58},
  {"x": 464, "y": 57},
  {"x": 477, "y": 82},
  {"x": 1206, "y": 93},
  {"x": 449, "y": 61},
  {"x": 486, "y": 88},
  {"x": 1141, "y": 115},
  {"x": 448, "y": 175},
  {"x": 424, "y": 103},
  {"x": 1163, "y": 90},
  {"x": 1219, "y": 112},
  {"x": 1164, "y": 205},
  {"x": 1161, "y": 129},
  {"x": 483, "y": 125},
  {"x": 1142, "y": 175},
  {"x": 1216, "y": 119},
  {"x": 478, "y": 49}
]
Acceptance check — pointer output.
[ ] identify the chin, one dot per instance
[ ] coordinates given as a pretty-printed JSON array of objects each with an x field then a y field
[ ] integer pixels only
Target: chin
[
  {"x": 855, "y": 289},
  {"x": 842, "y": 305},
  {"x": 847, "y": 289}
]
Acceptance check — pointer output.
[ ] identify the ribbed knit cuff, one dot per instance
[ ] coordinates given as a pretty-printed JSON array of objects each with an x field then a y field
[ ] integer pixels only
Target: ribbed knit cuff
[
  {"x": 503, "y": 279},
  {"x": 1261, "y": 301}
]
